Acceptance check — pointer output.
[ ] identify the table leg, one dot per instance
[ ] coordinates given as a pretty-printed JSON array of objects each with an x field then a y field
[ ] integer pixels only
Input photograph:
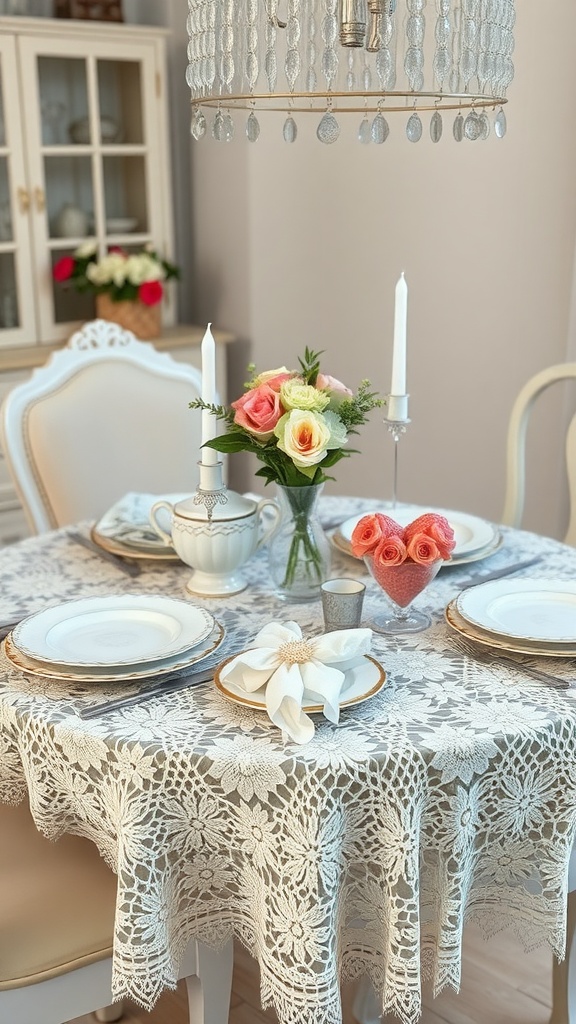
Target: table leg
[
  {"x": 210, "y": 988},
  {"x": 564, "y": 974},
  {"x": 366, "y": 1006},
  {"x": 110, "y": 1013}
]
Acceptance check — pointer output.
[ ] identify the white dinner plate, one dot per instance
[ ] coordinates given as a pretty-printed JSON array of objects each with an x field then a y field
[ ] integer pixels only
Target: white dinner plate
[
  {"x": 471, "y": 534},
  {"x": 535, "y": 610},
  {"x": 152, "y": 551},
  {"x": 113, "y": 631},
  {"x": 363, "y": 678},
  {"x": 124, "y": 674},
  {"x": 128, "y": 521},
  {"x": 500, "y": 643}
]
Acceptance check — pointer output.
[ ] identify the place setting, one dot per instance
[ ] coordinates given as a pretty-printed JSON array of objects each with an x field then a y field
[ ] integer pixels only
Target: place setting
[{"x": 120, "y": 639}]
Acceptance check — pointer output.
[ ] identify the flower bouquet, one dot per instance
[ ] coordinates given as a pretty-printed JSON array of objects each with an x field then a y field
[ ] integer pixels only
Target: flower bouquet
[
  {"x": 403, "y": 561},
  {"x": 297, "y": 423},
  {"x": 122, "y": 282}
]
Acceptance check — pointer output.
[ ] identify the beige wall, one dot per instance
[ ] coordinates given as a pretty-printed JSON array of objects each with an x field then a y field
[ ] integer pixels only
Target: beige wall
[{"x": 303, "y": 244}]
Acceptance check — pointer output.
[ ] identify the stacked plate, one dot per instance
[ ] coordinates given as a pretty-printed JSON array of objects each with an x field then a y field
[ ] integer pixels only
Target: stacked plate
[
  {"x": 475, "y": 538},
  {"x": 107, "y": 639},
  {"x": 126, "y": 530},
  {"x": 535, "y": 617}
]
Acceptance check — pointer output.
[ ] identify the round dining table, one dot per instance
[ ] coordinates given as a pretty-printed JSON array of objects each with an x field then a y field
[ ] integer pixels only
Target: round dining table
[{"x": 450, "y": 795}]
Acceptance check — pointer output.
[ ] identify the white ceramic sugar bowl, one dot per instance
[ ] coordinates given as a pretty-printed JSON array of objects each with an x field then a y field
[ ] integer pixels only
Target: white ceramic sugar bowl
[{"x": 216, "y": 540}]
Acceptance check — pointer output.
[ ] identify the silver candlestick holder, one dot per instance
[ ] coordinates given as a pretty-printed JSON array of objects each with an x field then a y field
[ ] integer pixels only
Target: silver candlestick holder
[{"x": 397, "y": 421}]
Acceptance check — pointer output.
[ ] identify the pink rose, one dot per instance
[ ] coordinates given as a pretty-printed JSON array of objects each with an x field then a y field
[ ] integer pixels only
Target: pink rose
[
  {"x": 422, "y": 549},
  {"x": 390, "y": 551},
  {"x": 338, "y": 390},
  {"x": 437, "y": 528},
  {"x": 258, "y": 411},
  {"x": 276, "y": 382}
]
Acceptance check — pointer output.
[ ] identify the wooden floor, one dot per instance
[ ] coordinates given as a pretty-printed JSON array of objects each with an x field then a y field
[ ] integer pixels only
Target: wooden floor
[{"x": 501, "y": 985}]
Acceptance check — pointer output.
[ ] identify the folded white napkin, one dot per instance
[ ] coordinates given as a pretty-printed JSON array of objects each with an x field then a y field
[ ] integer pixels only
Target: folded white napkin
[
  {"x": 296, "y": 671},
  {"x": 129, "y": 518}
]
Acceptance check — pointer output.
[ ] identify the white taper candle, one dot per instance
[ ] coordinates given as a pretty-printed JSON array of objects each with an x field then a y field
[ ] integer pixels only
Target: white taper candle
[
  {"x": 209, "y": 457},
  {"x": 398, "y": 385}
]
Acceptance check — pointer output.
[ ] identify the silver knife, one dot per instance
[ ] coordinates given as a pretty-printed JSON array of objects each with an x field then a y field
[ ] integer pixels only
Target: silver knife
[
  {"x": 169, "y": 683},
  {"x": 496, "y": 574},
  {"x": 131, "y": 568}
]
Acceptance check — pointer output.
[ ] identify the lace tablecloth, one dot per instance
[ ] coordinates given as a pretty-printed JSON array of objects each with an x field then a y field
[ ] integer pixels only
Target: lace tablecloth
[{"x": 451, "y": 794}]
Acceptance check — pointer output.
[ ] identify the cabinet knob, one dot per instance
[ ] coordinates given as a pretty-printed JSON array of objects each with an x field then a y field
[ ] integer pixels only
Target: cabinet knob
[
  {"x": 40, "y": 199},
  {"x": 24, "y": 200}
]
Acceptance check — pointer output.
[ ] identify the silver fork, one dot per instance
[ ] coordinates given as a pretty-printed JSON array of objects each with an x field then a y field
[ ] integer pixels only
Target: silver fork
[{"x": 494, "y": 657}]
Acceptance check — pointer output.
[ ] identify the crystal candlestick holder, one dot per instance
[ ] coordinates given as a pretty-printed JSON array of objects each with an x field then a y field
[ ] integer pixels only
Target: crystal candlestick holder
[
  {"x": 397, "y": 421},
  {"x": 215, "y": 532}
]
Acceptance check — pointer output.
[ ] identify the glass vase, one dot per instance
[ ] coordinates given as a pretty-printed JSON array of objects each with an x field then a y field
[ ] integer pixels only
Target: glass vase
[{"x": 299, "y": 550}]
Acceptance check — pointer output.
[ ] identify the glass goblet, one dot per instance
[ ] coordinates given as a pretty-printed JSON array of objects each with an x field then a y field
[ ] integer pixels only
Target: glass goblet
[{"x": 401, "y": 584}]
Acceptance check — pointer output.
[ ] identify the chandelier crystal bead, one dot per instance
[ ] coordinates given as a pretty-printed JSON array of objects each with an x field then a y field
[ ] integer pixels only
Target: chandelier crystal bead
[{"x": 334, "y": 57}]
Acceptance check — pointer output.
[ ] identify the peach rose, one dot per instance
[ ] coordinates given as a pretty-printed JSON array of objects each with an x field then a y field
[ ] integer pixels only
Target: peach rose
[
  {"x": 304, "y": 436},
  {"x": 438, "y": 528},
  {"x": 390, "y": 551},
  {"x": 274, "y": 378},
  {"x": 258, "y": 411},
  {"x": 370, "y": 530},
  {"x": 422, "y": 549},
  {"x": 366, "y": 535}
]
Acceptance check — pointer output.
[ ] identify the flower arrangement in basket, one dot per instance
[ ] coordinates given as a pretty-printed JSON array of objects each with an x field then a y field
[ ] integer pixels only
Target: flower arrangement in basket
[
  {"x": 403, "y": 560},
  {"x": 297, "y": 423},
  {"x": 126, "y": 284}
]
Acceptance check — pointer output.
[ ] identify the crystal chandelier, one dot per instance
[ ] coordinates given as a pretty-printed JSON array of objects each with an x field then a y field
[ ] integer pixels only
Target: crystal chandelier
[{"x": 446, "y": 59}]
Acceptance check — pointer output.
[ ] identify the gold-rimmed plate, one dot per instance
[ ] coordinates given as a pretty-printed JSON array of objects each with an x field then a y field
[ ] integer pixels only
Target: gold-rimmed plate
[
  {"x": 126, "y": 673},
  {"x": 363, "y": 679},
  {"x": 498, "y": 643},
  {"x": 151, "y": 552}
]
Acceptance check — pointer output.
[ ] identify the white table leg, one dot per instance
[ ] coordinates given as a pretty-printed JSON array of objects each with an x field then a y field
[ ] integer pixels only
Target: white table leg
[
  {"x": 564, "y": 974},
  {"x": 209, "y": 990},
  {"x": 366, "y": 1006}
]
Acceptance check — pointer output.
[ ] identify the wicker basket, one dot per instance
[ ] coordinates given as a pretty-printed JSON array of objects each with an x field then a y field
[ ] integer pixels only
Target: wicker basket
[{"x": 144, "y": 321}]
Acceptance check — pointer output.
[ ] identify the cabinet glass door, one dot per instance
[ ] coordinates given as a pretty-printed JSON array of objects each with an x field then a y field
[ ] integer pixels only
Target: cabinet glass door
[
  {"x": 17, "y": 307},
  {"x": 93, "y": 161}
]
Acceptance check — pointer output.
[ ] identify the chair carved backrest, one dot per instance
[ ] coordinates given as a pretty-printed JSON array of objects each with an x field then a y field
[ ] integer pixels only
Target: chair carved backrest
[
  {"x": 106, "y": 414},
  {"x": 516, "y": 447}
]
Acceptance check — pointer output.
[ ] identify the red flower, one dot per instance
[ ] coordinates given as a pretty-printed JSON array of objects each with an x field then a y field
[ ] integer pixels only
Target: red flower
[
  {"x": 150, "y": 292},
  {"x": 63, "y": 269}
]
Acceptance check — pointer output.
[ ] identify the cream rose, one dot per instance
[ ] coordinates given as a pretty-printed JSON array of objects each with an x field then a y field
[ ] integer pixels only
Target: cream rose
[
  {"x": 304, "y": 436},
  {"x": 295, "y": 394}
]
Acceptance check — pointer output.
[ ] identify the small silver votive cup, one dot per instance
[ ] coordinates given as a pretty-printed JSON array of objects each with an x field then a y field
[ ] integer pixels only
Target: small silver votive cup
[{"x": 342, "y": 601}]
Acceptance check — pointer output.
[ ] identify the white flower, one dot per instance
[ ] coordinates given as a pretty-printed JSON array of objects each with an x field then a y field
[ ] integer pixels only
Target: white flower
[
  {"x": 246, "y": 766},
  {"x": 338, "y": 749},
  {"x": 256, "y": 831},
  {"x": 461, "y": 751},
  {"x": 299, "y": 932},
  {"x": 84, "y": 251},
  {"x": 509, "y": 862},
  {"x": 204, "y": 873},
  {"x": 521, "y": 799}
]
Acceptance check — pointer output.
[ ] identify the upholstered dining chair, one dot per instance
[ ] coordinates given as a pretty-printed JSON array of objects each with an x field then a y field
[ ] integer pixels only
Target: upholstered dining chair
[
  {"x": 107, "y": 414},
  {"x": 57, "y": 903},
  {"x": 516, "y": 447}
]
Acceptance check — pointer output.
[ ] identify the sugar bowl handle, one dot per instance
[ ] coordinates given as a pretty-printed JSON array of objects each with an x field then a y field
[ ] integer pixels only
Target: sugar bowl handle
[
  {"x": 156, "y": 525},
  {"x": 267, "y": 528}
]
